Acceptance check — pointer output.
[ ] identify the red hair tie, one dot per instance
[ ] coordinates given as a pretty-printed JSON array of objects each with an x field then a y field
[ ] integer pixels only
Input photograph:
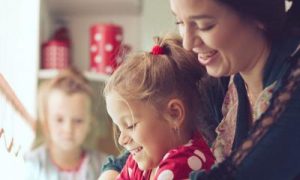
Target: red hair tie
[{"x": 157, "y": 50}]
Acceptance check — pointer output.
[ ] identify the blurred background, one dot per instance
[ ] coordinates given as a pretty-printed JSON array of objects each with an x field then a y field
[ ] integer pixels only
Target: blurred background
[{"x": 39, "y": 37}]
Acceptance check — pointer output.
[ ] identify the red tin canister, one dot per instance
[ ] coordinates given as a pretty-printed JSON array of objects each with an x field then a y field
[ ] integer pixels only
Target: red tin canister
[
  {"x": 105, "y": 46},
  {"x": 55, "y": 55}
]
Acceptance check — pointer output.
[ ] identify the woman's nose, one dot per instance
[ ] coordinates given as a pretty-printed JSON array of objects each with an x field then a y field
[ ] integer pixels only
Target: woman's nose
[
  {"x": 124, "y": 139},
  {"x": 188, "y": 38}
]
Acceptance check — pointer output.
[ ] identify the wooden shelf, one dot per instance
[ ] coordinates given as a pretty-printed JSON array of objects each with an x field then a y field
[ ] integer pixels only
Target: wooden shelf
[{"x": 92, "y": 76}]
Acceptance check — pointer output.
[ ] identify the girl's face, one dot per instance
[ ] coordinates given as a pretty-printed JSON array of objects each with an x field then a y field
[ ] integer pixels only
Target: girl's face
[
  {"x": 144, "y": 132},
  {"x": 225, "y": 43},
  {"x": 68, "y": 120}
]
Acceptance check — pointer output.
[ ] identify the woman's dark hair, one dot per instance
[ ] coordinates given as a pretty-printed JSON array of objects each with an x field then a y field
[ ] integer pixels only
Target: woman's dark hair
[{"x": 272, "y": 13}]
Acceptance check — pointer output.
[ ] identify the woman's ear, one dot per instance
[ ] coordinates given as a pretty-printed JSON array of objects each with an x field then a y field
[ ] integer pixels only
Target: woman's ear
[
  {"x": 260, "y": 26},
  {"x": 175, "y": 113}
]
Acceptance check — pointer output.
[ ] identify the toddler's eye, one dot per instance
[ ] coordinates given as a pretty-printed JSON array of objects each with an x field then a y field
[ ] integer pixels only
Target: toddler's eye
[{"x": 78, "y": 121}]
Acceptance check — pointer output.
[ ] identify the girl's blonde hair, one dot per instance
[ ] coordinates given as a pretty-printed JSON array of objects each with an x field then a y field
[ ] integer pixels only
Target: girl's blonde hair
[
  {"x": 70, "y": 81},
  {"x": 159, "y": 78}
]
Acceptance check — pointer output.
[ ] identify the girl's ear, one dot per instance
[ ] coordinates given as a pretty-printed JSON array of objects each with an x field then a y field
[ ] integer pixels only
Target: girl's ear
[{"x": 175, "y": 113}]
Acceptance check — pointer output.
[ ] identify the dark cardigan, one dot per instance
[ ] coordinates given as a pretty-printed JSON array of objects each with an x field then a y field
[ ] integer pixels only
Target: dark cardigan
[{"x": 277, "y": 153}]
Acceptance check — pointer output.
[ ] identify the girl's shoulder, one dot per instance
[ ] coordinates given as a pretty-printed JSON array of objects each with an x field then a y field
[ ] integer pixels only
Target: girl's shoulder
[
  {"x": 180, "y": 162},
  {"x": 38, "y": 154}
]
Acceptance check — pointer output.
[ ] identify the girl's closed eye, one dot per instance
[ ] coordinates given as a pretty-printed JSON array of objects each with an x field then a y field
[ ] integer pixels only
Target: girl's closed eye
[
  {"x": 132, "y": 126},
  {"x": 178, "y": 22}
]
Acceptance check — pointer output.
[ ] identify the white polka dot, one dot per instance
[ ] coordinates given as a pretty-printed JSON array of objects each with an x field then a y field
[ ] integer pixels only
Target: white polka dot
[
  {"x": 194, "y": 163},
  {"x": 98, "y": 59},
  {"x": 166, "y": 156},
  {"x": 98, "y": 37},
  {"x": 109, "y": 47},
  {"x": 201, "y": 155},
  {"x": 129, "y": 172},
  {"x": 108, "y": 69},
  {"x": 166, "y": 175},
  {"x": 94, "y": 48},
  {"x": 190, "y": 143},
  {"x": 119, "y": 37},
  {"x": 156, "y": 171}
]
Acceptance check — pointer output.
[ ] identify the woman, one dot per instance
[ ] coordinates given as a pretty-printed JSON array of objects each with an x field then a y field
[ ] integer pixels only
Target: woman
[
  {"x": 256, "y": 44},
  {"x": 248, "y": 40}
]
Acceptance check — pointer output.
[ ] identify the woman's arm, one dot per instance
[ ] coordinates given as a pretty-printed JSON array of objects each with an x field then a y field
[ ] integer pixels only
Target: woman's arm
[
  {"x": 113, "y": 166},
  {"x": 109, "y": 175}
]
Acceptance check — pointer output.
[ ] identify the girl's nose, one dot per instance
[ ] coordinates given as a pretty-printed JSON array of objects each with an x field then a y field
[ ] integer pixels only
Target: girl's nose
[{"x": 123, "y": 139}]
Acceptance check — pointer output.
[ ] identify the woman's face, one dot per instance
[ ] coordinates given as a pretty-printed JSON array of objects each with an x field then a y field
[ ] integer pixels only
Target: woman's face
[{"x": 225, "y": 43}]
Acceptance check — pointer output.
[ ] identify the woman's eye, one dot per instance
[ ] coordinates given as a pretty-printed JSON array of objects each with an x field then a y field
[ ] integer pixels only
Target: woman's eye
[
  {"x": 202, "y": 26},
  {"x": 207, "y": 28}
]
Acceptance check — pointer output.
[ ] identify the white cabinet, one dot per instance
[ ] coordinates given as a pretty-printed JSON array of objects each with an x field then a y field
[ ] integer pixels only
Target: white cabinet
[
  {"x": 81, "y": 7},
  {"x": 78, "y": 16},
  {"x": 140, "y": 19}
]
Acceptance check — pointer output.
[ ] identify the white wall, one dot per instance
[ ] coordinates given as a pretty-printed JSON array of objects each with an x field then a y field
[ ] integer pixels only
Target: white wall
[
  {"x": 46, "y": 22},
  {"x": 19, "y": 52},
  {"x": 19, "y": 48},
  {"x": 79, "y": 27},
  {"x": 156, "y": 19}
]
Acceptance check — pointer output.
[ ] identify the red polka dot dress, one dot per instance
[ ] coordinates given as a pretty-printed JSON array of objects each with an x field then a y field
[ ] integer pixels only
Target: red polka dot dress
[{"x": 176, "y": 164}]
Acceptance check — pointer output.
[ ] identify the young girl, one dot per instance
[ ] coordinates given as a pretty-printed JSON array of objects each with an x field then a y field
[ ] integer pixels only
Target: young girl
[
  {"x": 153, "y": 100},
  {"x": 64, "y": 126}
]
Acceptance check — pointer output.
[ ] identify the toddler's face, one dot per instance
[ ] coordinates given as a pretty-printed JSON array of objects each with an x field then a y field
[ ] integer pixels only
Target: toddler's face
[
  {"x": 143, "y": 130},
  {"x": 68, "y": 119}
]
